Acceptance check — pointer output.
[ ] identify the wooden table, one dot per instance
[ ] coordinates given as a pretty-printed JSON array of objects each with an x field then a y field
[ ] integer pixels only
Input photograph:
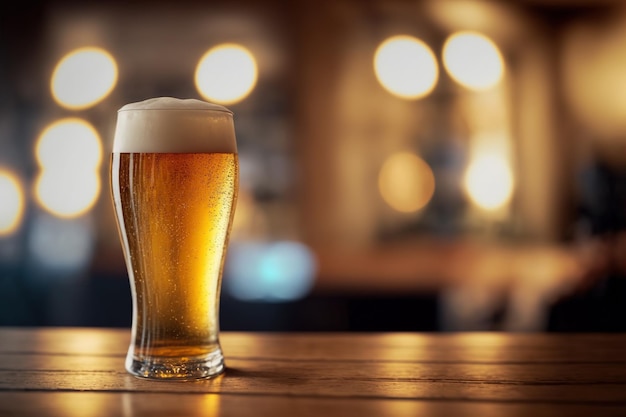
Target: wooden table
[{"x": 80, "y": 372}]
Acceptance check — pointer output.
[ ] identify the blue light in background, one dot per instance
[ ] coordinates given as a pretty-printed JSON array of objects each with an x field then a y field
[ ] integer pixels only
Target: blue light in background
[
  {"x": 62, "y": 246},
  {"x": 273, "y": 272}
]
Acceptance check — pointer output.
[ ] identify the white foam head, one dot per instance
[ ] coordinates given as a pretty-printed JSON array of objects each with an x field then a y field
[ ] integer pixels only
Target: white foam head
[{"x": 170, "y": 125}]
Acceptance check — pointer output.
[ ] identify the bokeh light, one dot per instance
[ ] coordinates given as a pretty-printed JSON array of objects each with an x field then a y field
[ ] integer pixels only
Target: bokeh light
[
  {"x": 406, "y": 67},
  {"x": 69, "y": 153},
  {"x": 11, "y": 202},
  {"x": 277, "y": 271},
  {"x": 406, "y": 182},
  {"x": 473, "y": 60},
  {"x": 226, "y": 74},
  {"x": 83, "y": 78},
  {"x": 66, "y": 194},
  {"x": 489, "y": 181},
  {"x": 70, "y": 142},
  {"x": 593, "y": 64}
]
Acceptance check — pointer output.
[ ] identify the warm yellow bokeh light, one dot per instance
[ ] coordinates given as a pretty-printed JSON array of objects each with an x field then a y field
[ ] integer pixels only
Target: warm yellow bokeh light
[
  {"x": 11, "y": 203},
  {"x": 591, "y": 67},
  {"x": 83, "y": 78},
  {"x": 473, "y": 60},
  {"x": 489, "y": 181},
  {"x": 69, "y": 153},
  {"x": 406, "y": 182},
  {"x": 226, "y": 74},
  {"x": 406, "y": 67},
  {"x": 70, "y": 142},
  {"x": 66, "y": 193}
]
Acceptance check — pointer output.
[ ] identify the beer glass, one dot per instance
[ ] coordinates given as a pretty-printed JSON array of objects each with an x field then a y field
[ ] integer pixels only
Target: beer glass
[{"x": 174, "y": 181}]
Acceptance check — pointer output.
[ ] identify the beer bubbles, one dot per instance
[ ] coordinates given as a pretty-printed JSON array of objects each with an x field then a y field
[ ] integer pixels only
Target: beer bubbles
[
  {"x": 174, "y": 177},
  {"x": 473, "y": 60},
  {"x": 11, "y": 202},
  {"x": 83, "y": 78},
  {"x": 406, "y": 67},
  {"x": 69, "y": 155},
  {"x": 226, "y": 74}
]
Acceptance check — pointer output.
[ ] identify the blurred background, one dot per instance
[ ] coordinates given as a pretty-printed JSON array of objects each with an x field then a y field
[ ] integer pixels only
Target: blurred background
[{"x": 406, "y": 165}]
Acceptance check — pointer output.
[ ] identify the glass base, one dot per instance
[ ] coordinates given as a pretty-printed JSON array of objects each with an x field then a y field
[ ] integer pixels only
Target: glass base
[{"x": 163, "y": 368}]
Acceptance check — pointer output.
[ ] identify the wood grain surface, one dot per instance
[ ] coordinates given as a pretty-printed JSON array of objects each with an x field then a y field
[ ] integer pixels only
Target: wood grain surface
[{"x": 69, "y": 372}]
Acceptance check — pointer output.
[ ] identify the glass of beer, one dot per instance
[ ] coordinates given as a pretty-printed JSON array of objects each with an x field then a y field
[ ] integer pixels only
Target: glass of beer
[{"x": 174, "y": 181}]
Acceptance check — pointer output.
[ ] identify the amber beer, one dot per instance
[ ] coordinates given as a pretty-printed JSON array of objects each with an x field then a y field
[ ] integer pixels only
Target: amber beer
[{"x": 174, "y": 178}]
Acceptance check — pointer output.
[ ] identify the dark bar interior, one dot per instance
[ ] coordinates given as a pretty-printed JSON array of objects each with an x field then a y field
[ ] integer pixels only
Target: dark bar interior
[{"x": 421, "y": 165}]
